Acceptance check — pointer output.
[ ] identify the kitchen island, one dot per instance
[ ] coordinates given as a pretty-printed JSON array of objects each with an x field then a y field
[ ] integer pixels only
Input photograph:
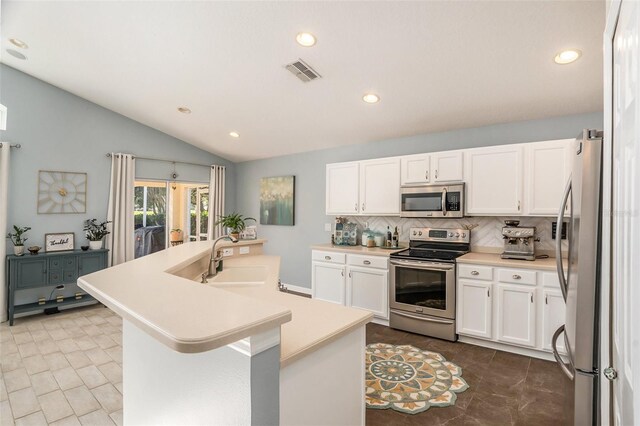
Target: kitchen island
[{"x": 230, "y": 351}]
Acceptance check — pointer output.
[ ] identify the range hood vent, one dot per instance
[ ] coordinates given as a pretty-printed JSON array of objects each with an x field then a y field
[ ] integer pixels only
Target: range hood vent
[{"x": 303, "y": 71}]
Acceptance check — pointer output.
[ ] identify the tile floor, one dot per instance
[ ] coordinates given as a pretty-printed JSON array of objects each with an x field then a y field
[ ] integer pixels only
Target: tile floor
[
  {"x": 67, "y": 369},
  {"x": 64, "y": 369},
  {"x": 504, "y": 388}
]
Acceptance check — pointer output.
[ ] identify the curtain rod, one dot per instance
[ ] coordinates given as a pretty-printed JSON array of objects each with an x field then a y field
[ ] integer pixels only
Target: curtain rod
[
  {"x": 167, "y": 161},
  {"x": 16, "y": 145}
]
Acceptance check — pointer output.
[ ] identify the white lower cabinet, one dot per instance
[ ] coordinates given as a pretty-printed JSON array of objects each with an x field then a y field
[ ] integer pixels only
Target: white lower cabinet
[
  {"x": 553, "y": 316},
  {"x": 516, "y": 314},
  {"x": 357, "y": 281},
  {"x": 367, "y": 288},
  {"x": 328, "y": 282},
  {"x": 509, "y": 308},
  {"x": 474, "y": 308}
]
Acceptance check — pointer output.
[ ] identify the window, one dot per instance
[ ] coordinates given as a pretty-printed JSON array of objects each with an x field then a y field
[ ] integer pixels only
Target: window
[{"x": 169, "y": 213}]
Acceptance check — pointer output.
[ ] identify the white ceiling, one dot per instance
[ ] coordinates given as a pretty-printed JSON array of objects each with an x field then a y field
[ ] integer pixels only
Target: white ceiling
[{"x": 435, "y": 65}]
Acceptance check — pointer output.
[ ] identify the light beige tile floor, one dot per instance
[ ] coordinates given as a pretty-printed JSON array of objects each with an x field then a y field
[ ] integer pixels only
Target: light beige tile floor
[{"x": 63, "y": 369}]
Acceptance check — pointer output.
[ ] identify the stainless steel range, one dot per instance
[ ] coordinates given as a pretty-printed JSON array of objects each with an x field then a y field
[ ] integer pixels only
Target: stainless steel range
[{"x": 422, "y": 291}]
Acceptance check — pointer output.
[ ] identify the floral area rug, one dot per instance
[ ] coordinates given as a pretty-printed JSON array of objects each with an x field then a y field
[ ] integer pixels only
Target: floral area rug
[{"x": 410, "y": 380}]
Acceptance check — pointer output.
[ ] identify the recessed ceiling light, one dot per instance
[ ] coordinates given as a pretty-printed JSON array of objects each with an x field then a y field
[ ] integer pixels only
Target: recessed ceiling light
[
  {"x": 567, "y": 56},
  {"x": 19, "y": 43},
  {"x": 234, "y": 134},
  {"x": 371, "y": 98},
  {"x": 306, "y": 39},
  {"x": 184, "y": 110},
  {"x": 16, "y": 54}
]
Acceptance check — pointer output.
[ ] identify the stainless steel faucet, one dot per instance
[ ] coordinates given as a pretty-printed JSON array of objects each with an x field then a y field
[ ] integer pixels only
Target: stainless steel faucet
[{"x": 214, "y": 262}]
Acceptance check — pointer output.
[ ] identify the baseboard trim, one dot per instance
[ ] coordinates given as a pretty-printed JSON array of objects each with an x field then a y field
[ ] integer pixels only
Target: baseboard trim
[
  {"x": 298, "y": 289},
  {"x": 533, "y": 353}
]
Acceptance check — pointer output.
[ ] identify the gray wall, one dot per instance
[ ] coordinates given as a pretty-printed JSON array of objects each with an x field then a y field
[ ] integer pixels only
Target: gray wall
[
  {"x": 61, "y": 131},
  {"x": 292, "y": 242}
]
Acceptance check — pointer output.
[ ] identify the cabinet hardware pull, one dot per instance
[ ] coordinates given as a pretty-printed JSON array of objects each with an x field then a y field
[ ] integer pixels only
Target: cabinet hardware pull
[
  {"x": 531, "y": 298},
  {"x": 516, "y": 277},
  {"x": 488, "y": 295},
  {"x": 475, "y": 273},
  {"x": 366, "y": 262},
  {"x": 327, "y": 258},
  {"x": 356, "y": 207},
  {"x": 349, "y": 274},
  {"x": 546, "y": 299},
  {"x": 342, "y": 273},
  {"x": 426, "y": 175},
  {"x": 362, "y": 206},
  {"x": 436, "y": 173},
  {"x": 518, "y": 205}
]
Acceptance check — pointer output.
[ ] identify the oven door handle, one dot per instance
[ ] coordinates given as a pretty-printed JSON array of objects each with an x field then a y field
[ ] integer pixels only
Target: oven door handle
[
  {"x": 420, "y": 265},
  {"x": 402, "y": 314}
]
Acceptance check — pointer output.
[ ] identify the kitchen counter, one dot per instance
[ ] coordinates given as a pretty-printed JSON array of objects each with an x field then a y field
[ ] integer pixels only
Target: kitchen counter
[
  {"x": 494, "y": 259},
  {"x": 374, "y": 251},
  {"x": 191, "y": 317}
]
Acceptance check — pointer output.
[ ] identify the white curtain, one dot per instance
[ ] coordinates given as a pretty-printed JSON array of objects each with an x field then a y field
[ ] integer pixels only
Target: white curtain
[
  {"x": 121, "y": 241},
  {"x": 216, "y": 200},
  {"x": 4, "y": 200}
]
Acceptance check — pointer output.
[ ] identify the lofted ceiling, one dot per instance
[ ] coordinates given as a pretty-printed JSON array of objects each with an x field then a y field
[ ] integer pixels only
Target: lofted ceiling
[{"x": 436, "y": 65}]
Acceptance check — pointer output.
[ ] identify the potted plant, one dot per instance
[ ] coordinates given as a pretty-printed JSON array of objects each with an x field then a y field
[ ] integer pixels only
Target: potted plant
[
  {"x": 234, "y": 222},
  {"x": 175, "y": 235},
  {"x": 17, "y": 239},
  {"x": 95, "y": 232}
]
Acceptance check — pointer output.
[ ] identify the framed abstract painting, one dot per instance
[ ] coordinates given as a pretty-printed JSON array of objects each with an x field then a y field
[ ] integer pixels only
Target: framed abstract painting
[{"x": 277, "y": 200}]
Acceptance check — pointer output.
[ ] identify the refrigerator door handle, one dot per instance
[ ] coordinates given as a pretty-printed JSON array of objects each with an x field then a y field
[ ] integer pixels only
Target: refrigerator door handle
[
  {"x": 560, "y": 224},
  {"x": 554, "y": 345}
]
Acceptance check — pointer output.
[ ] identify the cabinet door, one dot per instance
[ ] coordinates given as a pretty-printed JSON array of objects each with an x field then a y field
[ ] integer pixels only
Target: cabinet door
[
  {"x": 342, "y": 189},
  {"x": 380, "y": 187},
  {"x": 516, "y": 315},
  {"x": 553, "y": 317},
  {"x": 474, "y": 308},
  {"x": 31, "y": 273},
  {"x": 368, "y": 288},
  {"x": 494, "y": 180},
  {"x": 328, "y": 282},
  {"x": 88, "y": 263},
  {"x": 548, "y": 166},
  {"x": 414, "y": 169},
  {"x": 447, "y": 166}
]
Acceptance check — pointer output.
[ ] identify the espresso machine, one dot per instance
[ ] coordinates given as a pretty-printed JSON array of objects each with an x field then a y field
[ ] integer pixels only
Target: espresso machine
[{"x": 519, "y": 242}]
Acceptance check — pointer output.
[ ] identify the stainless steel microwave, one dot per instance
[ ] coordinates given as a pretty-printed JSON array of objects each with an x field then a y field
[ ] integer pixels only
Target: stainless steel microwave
[{"x": 446, "y": 201}]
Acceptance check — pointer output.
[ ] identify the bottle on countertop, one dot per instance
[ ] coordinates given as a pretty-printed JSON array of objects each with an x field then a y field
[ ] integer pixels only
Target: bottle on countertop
[
  {"x": 365, "y": 234},
  {"x": 395, "y": 238},
  {"x": 389, "y": 237}
]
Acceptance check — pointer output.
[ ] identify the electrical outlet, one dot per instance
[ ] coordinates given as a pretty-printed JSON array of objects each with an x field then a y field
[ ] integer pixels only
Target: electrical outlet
[
  {"x": 327, "y": 227},
  {"x": 227, "y": 252},
  {"x": 244, "y": 250}
]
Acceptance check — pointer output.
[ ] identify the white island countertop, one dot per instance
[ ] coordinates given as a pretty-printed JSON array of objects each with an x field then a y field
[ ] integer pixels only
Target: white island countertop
[{"x": 191, "y": 317}]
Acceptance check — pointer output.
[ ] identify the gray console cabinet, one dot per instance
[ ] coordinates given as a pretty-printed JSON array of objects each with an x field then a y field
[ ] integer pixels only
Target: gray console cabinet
[{"x": 48, "y": 270}]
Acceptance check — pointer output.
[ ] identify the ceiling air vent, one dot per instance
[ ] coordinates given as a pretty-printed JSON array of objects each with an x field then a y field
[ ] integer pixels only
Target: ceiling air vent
[{"x": 303, "y": 71}]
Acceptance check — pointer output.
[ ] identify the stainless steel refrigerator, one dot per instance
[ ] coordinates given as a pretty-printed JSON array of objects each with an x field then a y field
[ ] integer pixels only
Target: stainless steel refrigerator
[{"x": 580, "y": 280}]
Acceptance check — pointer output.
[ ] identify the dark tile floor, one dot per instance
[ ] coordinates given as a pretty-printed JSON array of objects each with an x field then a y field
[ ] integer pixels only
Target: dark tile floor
[{"x": 504, "y": 388}]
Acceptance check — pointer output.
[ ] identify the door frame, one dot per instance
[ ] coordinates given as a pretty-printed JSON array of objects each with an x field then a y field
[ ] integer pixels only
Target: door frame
[{"x": 606, "y": 386}]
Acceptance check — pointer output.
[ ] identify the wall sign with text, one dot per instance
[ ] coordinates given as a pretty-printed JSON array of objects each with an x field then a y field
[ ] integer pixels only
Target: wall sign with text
[{"x": 59, "y": 242}]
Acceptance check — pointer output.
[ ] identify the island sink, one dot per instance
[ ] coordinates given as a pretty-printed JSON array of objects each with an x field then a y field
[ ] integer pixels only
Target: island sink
[{"x": 242, "y": 275}]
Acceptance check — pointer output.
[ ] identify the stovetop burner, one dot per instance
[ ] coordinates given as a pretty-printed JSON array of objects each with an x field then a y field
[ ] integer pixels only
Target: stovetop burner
[{"x": 443, "y": 245}]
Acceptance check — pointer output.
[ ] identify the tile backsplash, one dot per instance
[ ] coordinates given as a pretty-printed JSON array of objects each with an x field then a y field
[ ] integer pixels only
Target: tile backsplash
[{"x": 487, "y": 233}]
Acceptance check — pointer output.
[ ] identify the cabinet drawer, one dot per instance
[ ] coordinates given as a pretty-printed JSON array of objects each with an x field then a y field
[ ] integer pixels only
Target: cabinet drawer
[
  {"x": 56, "y": 276},
  {"x": 517, "y": 276},
  {"x": 475, "y": 272},
  {"x": 371, "y": 261},
  {"x": 550, "y": 279},
  {"x": 70, "y": 276},
  {"x": 328, "y": 256},
  {"x": 67, "y": 263}
]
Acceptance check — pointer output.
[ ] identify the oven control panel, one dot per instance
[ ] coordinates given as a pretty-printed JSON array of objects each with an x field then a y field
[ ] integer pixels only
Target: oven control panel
[{"x": 440, "y": 234}]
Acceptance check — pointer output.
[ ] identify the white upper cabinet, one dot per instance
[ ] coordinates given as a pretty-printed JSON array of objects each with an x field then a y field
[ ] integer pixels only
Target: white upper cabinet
[
  {"x": 547, "y": 170},
  {"x": 446, "y": 166},
  {"x": 380, "y": 187},
  {"x": 343, "y": 188},
  {"x": 494, "y": 178},
  {"x": 414, "y": 169}
]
